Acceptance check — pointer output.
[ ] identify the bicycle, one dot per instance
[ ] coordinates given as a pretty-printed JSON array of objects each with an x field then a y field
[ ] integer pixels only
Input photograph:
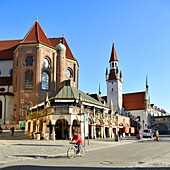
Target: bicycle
[{"x": 72, "y": 151}]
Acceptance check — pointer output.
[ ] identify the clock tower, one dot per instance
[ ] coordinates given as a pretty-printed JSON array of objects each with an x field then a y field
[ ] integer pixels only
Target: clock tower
[{"x": 114, "y": 82}]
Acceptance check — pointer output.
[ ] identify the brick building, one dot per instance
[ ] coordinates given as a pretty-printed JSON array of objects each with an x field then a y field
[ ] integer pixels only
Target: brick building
[{"x": 29, "y": 69}]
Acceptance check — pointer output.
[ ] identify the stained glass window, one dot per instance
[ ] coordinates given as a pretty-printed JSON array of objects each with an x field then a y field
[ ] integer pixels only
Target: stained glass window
[{"x": 45, "y": 81}]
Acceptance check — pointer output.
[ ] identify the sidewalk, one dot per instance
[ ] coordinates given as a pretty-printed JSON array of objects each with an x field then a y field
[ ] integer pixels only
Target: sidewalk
[{"x": 21, "y": 147}]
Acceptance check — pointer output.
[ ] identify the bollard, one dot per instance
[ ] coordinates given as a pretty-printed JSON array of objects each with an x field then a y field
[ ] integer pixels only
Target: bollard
[{"x": 38, "y": 136}]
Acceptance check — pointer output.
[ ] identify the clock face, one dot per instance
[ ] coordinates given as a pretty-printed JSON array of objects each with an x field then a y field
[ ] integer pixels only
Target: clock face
[
  {"x": 45, "y": 63},
  {"x": 68, "y": 73}
]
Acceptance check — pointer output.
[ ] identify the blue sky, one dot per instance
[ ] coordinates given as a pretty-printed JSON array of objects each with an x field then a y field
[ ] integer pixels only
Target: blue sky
[{"x": 140, "y": 30}]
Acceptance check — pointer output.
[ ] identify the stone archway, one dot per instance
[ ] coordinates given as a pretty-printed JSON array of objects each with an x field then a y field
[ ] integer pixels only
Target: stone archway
[
  {"x": 98, "y": 128},
  {"x": 90, "y": 128},
  {"x": 76, "y": 126},
  {"x": 61, "y": 129},
  {"x": 107, "y": 128}
]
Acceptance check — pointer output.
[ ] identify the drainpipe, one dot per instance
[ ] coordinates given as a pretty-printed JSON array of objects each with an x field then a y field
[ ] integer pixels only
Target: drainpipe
[{"x": 5, "y": 110}]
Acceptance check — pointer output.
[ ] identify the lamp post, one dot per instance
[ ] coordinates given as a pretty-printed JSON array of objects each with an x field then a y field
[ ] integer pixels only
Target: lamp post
[
  {"x": 116, "y": 136},
  {"x": 82, "y": 126},
  {"x": 143, "y": 124}
]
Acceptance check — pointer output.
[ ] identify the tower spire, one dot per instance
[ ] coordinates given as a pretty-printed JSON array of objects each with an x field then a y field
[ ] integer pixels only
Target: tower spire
[
  {"x": 147, "y": 83},
  {"x": 113, "y": 56},
  {"x": 99, "y": 90}
]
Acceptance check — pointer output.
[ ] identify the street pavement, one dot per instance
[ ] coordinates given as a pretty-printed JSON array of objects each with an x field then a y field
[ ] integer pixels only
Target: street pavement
[{"x": 21, "y": 147}]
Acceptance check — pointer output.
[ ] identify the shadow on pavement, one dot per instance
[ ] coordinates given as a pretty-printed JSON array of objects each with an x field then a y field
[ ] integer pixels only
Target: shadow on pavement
[
  {"x": 28, "y": 167},
  {"x": 41, "y": 156},
  {"x": 23, "y": 144},
  {"x": 153, "y": 141},
  {"x": 18, "y": 135}
]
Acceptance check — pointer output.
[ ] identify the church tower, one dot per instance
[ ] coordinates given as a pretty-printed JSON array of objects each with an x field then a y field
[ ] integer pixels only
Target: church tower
[
  {"x": 147, "y": 97},
  {"x": 114, "y": 82}
]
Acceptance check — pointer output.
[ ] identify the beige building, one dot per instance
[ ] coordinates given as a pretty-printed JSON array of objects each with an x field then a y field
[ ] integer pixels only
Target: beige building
[{"x": 71, "y": 109}]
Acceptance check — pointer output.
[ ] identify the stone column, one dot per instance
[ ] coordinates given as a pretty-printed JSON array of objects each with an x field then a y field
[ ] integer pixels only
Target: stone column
[
  {"x": 101, "y": 131},
  {"x": 92, "y": 131},
  {"x": 70, "y": 132},
  {"x": 104, "y": 132},
  {"x": 53, "y": 132}
]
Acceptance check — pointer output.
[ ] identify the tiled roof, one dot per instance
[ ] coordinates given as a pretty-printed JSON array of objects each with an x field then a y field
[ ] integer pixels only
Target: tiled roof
[
  {"x": 36, "y": 35},
  {"x": 113, "y": 56},
  {"x": 134, "y": 101},
  {"x": 104, "y": 98},
  {"x": 96, "y": 97},
  {"x": 6, "y": 49},
  {"x": 55, "y": 41},
  {"x": 5, "y": 81}
]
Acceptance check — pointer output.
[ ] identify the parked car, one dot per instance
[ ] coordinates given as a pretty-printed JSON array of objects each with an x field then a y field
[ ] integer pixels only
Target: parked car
[{"x": 147, "y": 133}]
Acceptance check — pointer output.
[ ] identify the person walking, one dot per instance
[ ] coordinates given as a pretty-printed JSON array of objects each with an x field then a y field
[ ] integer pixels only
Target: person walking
[
  {"x": 157, "y": 135},
  {"x": 1, "y": 130},
  {"x": 12, "y": 131}
]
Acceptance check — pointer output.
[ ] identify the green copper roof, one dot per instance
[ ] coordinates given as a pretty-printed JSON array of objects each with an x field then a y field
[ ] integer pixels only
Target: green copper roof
[
  {"x": 61, "y": 47},
  {"x": 70, "y": 92}
]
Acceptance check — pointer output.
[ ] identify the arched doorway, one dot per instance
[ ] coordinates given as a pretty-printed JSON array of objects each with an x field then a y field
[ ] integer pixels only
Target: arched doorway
[
  {"x": 107, "y": 132},
  {"x": 61, "y": 129},
  {"x": 98, "y": 128},
  {"x": 76, "y": 126}
]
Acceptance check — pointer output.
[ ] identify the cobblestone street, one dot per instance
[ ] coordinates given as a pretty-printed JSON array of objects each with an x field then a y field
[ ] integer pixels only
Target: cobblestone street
[{"x": 22, "y": 147}]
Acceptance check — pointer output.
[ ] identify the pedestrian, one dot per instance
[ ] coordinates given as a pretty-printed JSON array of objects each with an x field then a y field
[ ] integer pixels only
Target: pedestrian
[
  {"x": 1, "y": 130},
  {"x": 137, "y": 134},
  {"x": 12, "y": 131},
  {"x": 120, "y": 135},
  {"x": 157, "y": 135}
]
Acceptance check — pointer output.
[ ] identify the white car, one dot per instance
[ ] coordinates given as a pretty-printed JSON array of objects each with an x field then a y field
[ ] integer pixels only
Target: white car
[{"x": 147, "y": 133}]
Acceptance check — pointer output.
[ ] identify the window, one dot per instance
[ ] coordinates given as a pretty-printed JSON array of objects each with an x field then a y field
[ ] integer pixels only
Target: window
[
  {"x": 29, "y": 61},
  {"x": 46, "y": 63},
  {"x": 45, "y": 81},
  {"x": 0, "y": 109},
  {"x": 69, "y": 73},
  {"x": 29, "y": 79}
]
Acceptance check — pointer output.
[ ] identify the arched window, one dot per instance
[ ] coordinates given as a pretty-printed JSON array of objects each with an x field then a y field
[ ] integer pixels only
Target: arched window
[
  {"x": 69, "y": 72},
  {"x": 29, "y": 61},
  {"x": 0, "y": 109},
  {"x": 46, "y": 62},
  {"x": 45, "y": 81},
  {"x": 29, "y": 79}
]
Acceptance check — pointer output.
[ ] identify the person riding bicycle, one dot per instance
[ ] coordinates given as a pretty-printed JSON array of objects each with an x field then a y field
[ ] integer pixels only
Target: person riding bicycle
[{"x": 78, "y": 140}]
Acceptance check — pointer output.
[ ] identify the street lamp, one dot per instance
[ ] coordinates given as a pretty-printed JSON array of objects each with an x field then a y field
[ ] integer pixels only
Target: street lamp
[
  {"x": 82, "y": 128},
  {"x": 116, "y": 136},
  {"x": 143, "y": 124}
]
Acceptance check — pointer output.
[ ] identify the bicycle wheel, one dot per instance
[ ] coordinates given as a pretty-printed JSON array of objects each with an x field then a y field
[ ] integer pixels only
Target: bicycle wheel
[
  {"x": 82, "y": 151},
  {"x": 71, "y": 152}
]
